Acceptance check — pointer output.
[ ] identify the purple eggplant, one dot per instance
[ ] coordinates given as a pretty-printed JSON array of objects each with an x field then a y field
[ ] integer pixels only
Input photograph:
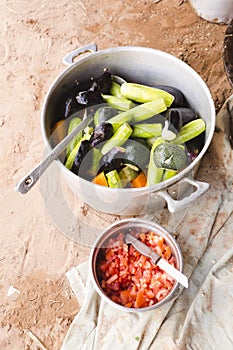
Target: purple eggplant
[
  {"x": 89, "y": 97},
  {"x": 102, "y": 83},
  {"x": 180, "y": 116},
  {"x": 112, "y": 160},
  {"x": 195, "y": 145},
  {"x": 82, "y": 152},
  {"x": 93, "y": 95},
  {"x": 179, "y": 101},
  {"x": 101, "y": 133}
]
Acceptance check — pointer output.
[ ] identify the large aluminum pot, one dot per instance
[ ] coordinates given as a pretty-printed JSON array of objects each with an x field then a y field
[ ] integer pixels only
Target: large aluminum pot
[{"x": 145, "y": 66}]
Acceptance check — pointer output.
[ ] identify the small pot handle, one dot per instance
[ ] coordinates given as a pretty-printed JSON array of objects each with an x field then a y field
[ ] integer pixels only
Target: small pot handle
[
  {"x": 69, "y": 58},
  {"x": 175, "y": 205}
]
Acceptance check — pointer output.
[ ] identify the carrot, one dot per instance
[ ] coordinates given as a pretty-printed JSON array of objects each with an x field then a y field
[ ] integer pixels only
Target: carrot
[
  {"x": 58, "y": 132},
  {"x": 139, "y": 181},
  {"x": 100, "y": 179}
]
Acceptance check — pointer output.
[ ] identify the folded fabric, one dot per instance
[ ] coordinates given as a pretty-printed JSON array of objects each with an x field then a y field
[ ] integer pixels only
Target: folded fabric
[{"x": 177, "y": 331}]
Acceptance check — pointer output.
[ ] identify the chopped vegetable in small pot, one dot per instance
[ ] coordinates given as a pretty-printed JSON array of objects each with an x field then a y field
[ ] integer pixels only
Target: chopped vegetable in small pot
[{"x": 131, "y": 279}]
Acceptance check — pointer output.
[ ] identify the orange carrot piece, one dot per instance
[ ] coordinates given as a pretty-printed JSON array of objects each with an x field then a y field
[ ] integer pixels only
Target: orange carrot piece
[
  {"x": 59, "y": 131},
  {"x": 100, "y": 179},
  {"x": 139, "y": 181}
]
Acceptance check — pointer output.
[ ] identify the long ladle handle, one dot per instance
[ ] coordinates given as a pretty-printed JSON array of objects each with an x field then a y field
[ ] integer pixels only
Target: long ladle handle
[{"x": 33, "y": 176}]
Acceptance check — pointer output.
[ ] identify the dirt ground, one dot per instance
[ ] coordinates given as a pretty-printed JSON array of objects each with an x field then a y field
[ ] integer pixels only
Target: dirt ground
[{"x": 35, "y": 35}]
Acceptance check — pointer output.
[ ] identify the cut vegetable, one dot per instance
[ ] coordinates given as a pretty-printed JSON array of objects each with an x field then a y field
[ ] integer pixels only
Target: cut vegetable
[
  {"x": 103, "y": 114},
  {"x": 101, "y": 133},
  {"x": 140, "y": 112},
  {"x": 127, "y": 174},
  {"x": 190, "y": 130},
  {"x": 73, "y": 123},
  {"x": 120, "y": 103},
  {"x": 178, "y": 117},
  {"x": 82, "y": 152},
  {"x": 58, "y": 132},
  {"x": 168, "y": 173},
  {"x": 143, "y": 93},
  {"x": 179, "y": 98},
  {"x": 154, "y": 174},
  {"x": 170, "y": 156},
  {"x": 100, "y": 179},
  {"x": 129, "y": 278},
  {"x": 147, "y": 131},
  {"x": 115, "y": 89},
  {"x": 118, "y": 139},
  {"x": 113, "y": 179},
  {"x": 137, "y": 153},
  {"x": 167, "y": 134},
  {"x": 139, "y": 181},
  {"x": 112, "y": 160},
  {"x": 70, "y": 160},
  {"x": 96, "y": 156}
]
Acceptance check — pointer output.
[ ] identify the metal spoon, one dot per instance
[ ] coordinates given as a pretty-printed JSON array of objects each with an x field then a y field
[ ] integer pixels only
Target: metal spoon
[{"x": 33, "y": 176}]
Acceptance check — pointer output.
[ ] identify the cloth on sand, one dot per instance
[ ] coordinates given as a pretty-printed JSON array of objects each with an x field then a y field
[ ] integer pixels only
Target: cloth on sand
[{"x": 200, "y": 317}]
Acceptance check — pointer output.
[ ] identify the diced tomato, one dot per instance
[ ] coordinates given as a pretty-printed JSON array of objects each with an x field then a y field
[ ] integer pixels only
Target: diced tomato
[
  {"x": 125, "y": 296},
  {"x": 112, "y": 279},
  {"x": 140, "y": 300},
  {"x": 131, "y": 279}
]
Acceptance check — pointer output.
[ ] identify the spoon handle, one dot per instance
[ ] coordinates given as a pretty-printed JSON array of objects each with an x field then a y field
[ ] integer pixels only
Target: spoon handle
[{"x": 26, "y": 183}]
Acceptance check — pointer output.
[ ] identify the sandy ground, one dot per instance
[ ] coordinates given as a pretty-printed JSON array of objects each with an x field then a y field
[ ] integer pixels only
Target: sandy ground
[{"x": 35, "y": 35}]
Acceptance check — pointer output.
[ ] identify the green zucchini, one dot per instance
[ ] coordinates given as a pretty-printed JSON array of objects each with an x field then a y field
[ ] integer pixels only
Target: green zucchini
[
  {"x": 127, "y": 174},
  {"x": 120, "y": 103},
  {"x": 113, "y": 179},
  {"x": 72, "y": 124},
  {"x": 116, "y": 89},
  {"x": 190, "y": 130},
  {"x": 142, "y": 93},
  {"x": 147, "y": 131},
  {"x": 154, "y": 174},
  {"x": 139, "y": 113},
  {"x": 120, "y": 136},
  {"x": 70, "y": 159}
]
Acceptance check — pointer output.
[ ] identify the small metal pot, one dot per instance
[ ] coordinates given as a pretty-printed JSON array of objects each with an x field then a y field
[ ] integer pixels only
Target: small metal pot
[
  {"x": 145, "y": 66},
  {"x": 138, "y": 225}
]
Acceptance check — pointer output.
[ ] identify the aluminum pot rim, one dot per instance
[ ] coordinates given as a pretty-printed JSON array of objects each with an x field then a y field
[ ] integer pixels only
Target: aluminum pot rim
[
  {"x": 106, "y": 233},
  {"x": 153, "y": 188}
]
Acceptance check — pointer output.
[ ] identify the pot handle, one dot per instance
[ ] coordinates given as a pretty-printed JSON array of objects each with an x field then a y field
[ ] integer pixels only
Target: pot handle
[
  {"x": 175, "y": 205},
  {"x": 69, "y": 58}
]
